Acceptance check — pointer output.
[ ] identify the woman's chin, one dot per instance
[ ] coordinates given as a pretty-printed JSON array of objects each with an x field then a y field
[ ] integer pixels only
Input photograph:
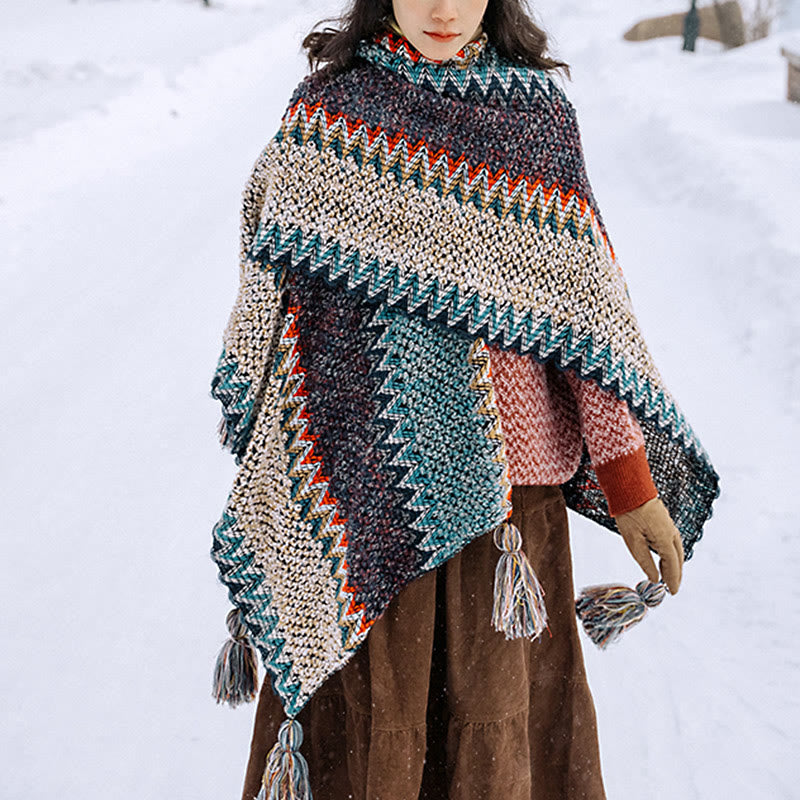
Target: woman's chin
[{"x": 437, "y": 50}]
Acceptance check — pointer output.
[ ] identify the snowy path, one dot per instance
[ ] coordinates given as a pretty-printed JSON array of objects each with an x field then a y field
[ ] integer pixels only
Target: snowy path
[
  {"x": 704, "y": 703},
  {"x": 117, "y": 244},
  {"x": 122, "y": 273}
]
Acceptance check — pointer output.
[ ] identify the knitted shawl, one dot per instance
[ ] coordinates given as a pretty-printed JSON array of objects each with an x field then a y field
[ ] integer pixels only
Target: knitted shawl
[{"x": 407, "y": 214}]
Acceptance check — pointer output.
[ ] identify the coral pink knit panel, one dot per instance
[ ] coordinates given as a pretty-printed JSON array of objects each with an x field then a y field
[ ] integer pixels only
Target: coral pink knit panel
[
  {"x": 547, "y": 414},
  {"x": 541, "y": 426},
  {"x": 608, "y": 426}
]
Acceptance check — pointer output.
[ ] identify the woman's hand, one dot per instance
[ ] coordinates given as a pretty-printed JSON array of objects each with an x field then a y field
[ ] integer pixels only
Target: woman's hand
[{"x": 648, "y": 526}]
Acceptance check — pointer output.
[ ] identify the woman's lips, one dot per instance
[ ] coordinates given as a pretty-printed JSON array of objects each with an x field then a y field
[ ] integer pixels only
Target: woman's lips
[{"x": 441, "y": 37}]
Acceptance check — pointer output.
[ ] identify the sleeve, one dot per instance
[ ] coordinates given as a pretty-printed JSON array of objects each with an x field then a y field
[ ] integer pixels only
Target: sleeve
[
  {"x": 249, "y": 336},
  {"x": 615, "y": 444}
]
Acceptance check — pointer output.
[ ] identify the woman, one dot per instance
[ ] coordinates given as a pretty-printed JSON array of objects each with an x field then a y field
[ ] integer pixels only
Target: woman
[{"x": 433, "y": 342}]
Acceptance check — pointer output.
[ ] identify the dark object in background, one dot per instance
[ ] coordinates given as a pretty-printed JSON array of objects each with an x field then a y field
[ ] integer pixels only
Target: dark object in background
[
  {"x": 793, "y": 83},
  {"x": 720, "y": 22},
  {"x": 731, "y": 24},
  {"x": 691, "y": 28}
]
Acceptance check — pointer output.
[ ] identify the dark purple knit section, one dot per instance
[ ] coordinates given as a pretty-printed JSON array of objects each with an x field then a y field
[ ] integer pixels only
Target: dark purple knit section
[{"x": 341, "y": 385}]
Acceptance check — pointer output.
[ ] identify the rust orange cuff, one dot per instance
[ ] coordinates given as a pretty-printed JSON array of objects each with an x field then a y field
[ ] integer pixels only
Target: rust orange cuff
[{"x": 626, "y": 482}]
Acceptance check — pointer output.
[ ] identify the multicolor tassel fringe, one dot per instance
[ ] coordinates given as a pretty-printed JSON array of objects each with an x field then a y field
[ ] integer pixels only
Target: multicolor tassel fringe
[
  {"x": 519, "y": 608},
  {"x": 607, "y": 611},
  {"x": 286, "y": 775},
  {"x": 236, "y": 670}
]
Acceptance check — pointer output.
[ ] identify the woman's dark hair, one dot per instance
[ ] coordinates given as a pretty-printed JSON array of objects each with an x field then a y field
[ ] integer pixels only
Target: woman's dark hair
[{"x": 507, "y": 23}]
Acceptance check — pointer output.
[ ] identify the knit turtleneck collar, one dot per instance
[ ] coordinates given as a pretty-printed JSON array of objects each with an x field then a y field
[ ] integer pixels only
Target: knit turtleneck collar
[
  {"x": 477, "y": 70},
  {"x": 394, "y": 51}
]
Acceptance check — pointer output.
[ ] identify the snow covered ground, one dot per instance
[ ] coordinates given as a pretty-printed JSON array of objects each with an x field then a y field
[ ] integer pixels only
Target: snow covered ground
[{"x": 127, "y": 129}]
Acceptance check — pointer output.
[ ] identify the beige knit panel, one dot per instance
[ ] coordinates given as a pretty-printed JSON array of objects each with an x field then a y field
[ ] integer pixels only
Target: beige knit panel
[
  {"x": 253, "y": 200},
  {"x": 254, "y": 322},
  {"x": 552, "y": 275},
  {"x": 297, "y": 573}
]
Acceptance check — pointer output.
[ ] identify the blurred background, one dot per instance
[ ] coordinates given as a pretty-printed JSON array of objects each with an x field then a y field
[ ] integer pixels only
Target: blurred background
[{"x": 127, "y": 131}]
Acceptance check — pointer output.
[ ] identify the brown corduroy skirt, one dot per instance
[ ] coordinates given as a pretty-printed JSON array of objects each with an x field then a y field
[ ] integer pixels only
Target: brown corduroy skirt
[{"x": 436, "y": 704}]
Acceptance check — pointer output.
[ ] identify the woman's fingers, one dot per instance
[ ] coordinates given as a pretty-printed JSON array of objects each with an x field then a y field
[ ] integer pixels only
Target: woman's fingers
[
  {"x": 650, "y": 526},
  {"x": 640, "y": 550},
  {"x": 679, "y": 551},
  {"x": 671, "y": 568}
]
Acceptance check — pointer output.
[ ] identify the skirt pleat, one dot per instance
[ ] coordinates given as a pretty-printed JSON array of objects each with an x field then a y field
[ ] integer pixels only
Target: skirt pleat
[{"x": 437, "y": 705}]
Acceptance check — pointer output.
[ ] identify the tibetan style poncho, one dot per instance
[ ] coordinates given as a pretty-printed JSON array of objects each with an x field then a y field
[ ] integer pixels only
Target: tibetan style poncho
[{"x": 407, "y": 215}]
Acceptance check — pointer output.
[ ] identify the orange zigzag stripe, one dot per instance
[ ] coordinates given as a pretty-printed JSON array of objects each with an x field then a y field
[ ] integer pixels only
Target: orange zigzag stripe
[
  {"x": 393, "y": 150},
  {"x": 313, "y": 486}
]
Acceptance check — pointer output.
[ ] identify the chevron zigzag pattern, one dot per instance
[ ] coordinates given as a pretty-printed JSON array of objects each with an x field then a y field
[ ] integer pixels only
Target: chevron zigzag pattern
[
  {"x": 526, "y": 199},
  {"x": 235, "y": 394},
  {"x": 402, "y": 430},
  {"x": 489, "y": 78},
  {"x": 407, "y": 216},
  {"x": 478, "y": 317},
  {"x": 396, "y": 439},
  {"x": 247, "y": 591},
  {"x": 484, "y": 389},
  {"x": 310, "y": 487}
]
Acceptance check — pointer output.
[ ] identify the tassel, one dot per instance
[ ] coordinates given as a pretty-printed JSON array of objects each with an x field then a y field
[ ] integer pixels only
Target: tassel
[
  {"x": 286, "y": 775},
  {"x": 236, "y": 670},
  {"x": 222, "y": 431},
  {"x": 607, "y": 611},
  {"x": 519, "y": 608}
]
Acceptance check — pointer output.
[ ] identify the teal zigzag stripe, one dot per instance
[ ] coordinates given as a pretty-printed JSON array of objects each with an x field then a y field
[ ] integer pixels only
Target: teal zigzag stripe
[
  {"x": 235, "y": 394},
  {"x": 415, "y": 433},
  {"x": 246, "y": 592},
  {"x": 483, "y": 79},
  {"x": 498, "y": 325},
  {"x": 395, "y": 437}
]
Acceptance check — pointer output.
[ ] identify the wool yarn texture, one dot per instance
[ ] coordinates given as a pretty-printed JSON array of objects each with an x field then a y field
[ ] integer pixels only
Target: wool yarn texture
[{"x": 408, "y": 216}]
